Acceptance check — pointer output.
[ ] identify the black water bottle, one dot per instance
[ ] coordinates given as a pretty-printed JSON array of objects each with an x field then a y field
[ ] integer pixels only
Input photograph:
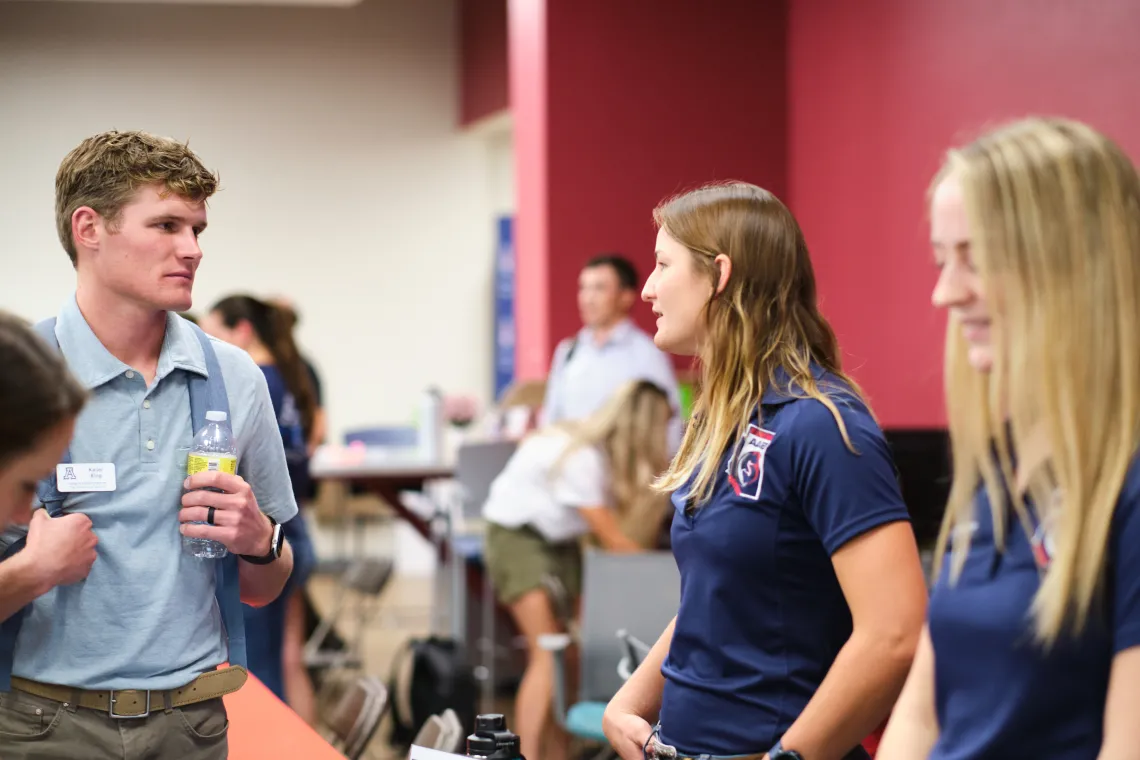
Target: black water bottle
[{"x": 492, "y": 740}]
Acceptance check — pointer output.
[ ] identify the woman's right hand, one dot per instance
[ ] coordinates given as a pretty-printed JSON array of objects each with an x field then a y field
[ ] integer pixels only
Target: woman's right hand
[{"x": 627, "y": 733}]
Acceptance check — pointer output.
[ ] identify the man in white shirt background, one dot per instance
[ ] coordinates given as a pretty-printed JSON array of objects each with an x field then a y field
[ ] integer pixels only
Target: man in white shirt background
[{"x": 608, "y": 351}]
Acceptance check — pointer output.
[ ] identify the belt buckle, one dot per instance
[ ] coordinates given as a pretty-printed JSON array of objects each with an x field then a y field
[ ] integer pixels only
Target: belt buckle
[{"x": 113, "y": 714}]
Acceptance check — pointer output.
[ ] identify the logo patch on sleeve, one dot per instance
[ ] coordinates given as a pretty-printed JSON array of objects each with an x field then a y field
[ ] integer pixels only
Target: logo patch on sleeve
[{"x": 746, "y": 469}]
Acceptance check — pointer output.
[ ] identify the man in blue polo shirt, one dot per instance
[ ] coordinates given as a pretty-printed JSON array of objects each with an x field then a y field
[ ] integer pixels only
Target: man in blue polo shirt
[
  {"x": 589, "y": 367},
  {"x": 123, "y": 663}
]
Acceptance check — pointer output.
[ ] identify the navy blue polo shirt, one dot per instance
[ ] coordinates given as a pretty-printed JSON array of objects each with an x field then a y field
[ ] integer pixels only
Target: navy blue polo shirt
[
  {"x": 997, "y": 693},
  {"x": 762, "y": 615}
]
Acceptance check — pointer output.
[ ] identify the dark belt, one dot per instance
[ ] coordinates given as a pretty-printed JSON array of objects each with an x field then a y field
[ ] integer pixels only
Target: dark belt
[{"x": 137, "y": 703}]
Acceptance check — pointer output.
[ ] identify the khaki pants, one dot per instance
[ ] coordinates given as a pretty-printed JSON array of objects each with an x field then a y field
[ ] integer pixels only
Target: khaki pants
[
  {"x": 520, "y": 560},
  {"x": 34, "y": 728}
]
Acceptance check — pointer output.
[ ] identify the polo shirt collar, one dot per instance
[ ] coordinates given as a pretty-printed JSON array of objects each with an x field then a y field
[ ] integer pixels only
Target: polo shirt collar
[
  {"x": 618, "y": 335},
  {"x": 93, "y": 365},
  {"x": 784, "y": 390}
]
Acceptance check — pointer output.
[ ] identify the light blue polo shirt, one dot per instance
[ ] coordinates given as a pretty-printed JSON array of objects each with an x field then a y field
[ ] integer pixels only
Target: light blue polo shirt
[
  {"x": 146, "y": 616},
  {"x": 582, "y": 382}
]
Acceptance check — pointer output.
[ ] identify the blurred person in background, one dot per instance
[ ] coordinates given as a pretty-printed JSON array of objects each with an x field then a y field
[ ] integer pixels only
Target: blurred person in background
[
  {"x": 609, "y": 350},
  {"x": 802, "y": 594},
  {"x": 39, "y": 402},
  {"x": 318, "y": 431},
  {"x": 276, "y": 632},
  {"x": 1032, "y": 646},
  {"x": 571, "y": 480}
]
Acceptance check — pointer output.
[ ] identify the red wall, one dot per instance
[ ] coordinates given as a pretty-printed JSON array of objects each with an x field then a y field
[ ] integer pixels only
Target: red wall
[
  {"x": 482, "y": 59},
  {"x": 877, "y": 90},
  {"x": 637, "y": 105}
]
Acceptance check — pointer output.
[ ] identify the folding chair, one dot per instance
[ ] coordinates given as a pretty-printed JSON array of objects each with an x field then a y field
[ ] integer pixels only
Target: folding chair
[
  {"x": 454, "y": 734},
  {"x": 353, "y": 719},
  {"x": 634, "y": 594},
  {"x": 366, "y": 579}
]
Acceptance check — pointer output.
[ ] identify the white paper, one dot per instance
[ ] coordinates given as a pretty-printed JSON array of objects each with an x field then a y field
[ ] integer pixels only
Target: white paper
[{"x": 423, "y": 753}]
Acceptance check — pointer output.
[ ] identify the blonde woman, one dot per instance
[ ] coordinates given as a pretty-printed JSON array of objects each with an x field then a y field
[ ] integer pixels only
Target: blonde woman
[
  {"x": 802, "y": 594},
  {"x": 1033, "y": 642},
  {"x": 565, "y": 482}
]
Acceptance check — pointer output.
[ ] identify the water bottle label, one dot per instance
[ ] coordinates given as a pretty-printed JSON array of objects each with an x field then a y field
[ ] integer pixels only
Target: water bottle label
[{"x": 211, "y": 463}]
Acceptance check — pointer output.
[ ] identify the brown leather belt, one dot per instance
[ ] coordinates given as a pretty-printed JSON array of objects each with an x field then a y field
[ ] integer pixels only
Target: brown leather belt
[{"x": 133, "y": 703}]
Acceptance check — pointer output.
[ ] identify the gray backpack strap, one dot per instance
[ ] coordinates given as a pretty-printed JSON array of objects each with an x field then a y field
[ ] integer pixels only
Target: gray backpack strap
[
  {"x": 208, "y": 394},
  {"x": 46, "y": 490}
]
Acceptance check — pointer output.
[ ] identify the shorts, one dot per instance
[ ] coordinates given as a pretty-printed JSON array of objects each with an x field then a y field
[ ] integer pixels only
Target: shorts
[{"x": 520, "y": 560}]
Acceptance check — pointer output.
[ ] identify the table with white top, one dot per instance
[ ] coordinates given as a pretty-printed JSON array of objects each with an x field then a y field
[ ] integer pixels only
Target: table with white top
[
  {"x": 386, "y": 472},
  {"x": 383, "y": 471}
]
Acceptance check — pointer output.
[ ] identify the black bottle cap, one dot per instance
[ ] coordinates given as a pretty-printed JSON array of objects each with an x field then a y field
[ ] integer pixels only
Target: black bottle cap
[
  {"x": 480, "y": 746},
  {"x": 490, "y": 722}
]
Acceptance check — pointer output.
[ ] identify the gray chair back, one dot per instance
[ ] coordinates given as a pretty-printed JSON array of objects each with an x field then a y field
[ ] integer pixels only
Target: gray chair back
[
  {"x": 637, "y": 593},
  {"x": 476, "y": 467}
]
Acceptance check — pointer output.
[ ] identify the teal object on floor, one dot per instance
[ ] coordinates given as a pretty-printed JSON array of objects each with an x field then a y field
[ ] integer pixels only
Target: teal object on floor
[{"x": 584, "y": 720}]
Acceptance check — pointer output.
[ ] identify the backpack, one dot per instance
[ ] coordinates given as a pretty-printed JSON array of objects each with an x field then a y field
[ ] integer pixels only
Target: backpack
[
  {"x": 428, "y": 676},
  {"x": 205, "y": 395}
]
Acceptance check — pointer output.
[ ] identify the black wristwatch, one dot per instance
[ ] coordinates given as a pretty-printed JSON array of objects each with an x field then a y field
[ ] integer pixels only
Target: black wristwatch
[
  {"x": 274, "y": 546},
  {"x": 779, "y": 753}
]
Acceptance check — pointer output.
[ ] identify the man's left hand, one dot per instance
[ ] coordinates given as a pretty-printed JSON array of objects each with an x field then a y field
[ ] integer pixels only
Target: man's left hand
[{"x": 238, "y": 522}]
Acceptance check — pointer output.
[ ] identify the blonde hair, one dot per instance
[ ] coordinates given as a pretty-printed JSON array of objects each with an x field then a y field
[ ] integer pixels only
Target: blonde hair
[
  {"x": 764, "y": 323},
  {"x": 1054, "y": 209},
  {"x": 104, "y": 171},
  {"x": 631, "y": 432}
]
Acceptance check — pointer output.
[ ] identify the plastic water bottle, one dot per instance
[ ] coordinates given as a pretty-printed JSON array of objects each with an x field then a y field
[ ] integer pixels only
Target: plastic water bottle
[
  {"x": 214, "y": 450},
  {"x": 430, "y": 425},
  {"x": 492, "y": 740}
]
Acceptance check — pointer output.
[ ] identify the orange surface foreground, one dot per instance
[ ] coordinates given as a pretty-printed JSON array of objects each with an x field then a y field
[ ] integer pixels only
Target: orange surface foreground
[{"x": 263, "y": 728}]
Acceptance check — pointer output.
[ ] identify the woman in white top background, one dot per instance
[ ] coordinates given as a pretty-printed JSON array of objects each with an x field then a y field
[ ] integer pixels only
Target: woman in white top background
[{"x": 571, "y": 480}]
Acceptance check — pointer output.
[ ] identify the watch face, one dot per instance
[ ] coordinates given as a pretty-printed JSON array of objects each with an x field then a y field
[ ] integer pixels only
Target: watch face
[{"x": 275, "y": 544}]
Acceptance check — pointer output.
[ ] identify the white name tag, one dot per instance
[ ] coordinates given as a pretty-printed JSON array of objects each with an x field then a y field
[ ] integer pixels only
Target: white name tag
[{"x": 77, "y": 478}]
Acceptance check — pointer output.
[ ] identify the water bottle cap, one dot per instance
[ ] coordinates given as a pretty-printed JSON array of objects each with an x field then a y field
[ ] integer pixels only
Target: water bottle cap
[
  {"x": 216, "y": 416},
  {"x": 490, "y": 722},
  {"x": 480, "y": 746}
]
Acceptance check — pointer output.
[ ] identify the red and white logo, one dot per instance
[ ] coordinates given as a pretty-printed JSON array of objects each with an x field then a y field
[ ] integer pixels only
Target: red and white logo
[{"x": 746, "y": 468}]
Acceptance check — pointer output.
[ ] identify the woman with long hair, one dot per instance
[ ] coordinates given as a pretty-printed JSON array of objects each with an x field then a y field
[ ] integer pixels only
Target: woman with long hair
[
  {"x": 276, "y": 632},
  {"x": 39, "y": 401},
  {"x": 1032, "y": 647},
  {"x": 802, "y": 594},
  {"x": 568, "y": 481}
]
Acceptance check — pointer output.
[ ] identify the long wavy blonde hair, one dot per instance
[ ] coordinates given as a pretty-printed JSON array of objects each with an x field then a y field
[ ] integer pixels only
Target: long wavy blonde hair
[
  {"x": 1054, "y": 213},
  {"x": 631, "y": 432},
  {"x": 765, "y": 321}
]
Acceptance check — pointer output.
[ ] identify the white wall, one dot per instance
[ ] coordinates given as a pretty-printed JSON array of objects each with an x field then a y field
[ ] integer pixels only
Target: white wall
[{"x": 345, "y": 181}]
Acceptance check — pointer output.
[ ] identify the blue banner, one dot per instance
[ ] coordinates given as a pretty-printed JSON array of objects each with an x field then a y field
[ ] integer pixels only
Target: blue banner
[{"x": 504, "y": 305}]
